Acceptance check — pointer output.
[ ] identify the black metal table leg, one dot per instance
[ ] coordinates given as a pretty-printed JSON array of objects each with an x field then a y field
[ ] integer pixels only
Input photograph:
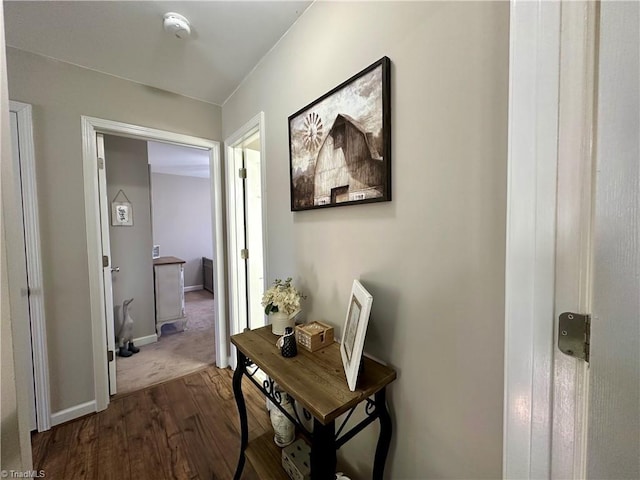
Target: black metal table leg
[
  {"x": 242, "y": 410},
  {"x": 384, "y": 439},
  {"x": 323, "y": 451}
]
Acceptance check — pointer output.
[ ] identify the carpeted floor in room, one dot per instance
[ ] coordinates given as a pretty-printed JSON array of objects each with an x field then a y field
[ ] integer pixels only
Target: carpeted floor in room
[{"x": 175, "y": 353}]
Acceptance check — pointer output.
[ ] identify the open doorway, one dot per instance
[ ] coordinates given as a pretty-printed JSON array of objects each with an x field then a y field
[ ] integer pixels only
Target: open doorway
[
  {"x": 157, "y": 260},
  {"x": 245, "y": 166},
  {"x": 100, "y": 264}
]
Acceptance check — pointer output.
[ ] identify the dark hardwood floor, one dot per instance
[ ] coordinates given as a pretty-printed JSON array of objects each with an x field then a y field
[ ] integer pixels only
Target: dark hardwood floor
[{"x": 182, "y": 429}]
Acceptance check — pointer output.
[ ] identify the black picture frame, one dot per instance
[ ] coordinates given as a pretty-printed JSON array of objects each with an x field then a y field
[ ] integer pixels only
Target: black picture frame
[{"x": 340, "y": 144}]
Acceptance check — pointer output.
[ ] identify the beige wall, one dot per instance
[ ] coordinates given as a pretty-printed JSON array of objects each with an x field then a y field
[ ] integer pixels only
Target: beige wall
[
  {"x": 182, "y": 221},
  {"x": 433, "y": 258},
  {"x": 60, "y": 94},
  {"x": 127, "y": 167}
]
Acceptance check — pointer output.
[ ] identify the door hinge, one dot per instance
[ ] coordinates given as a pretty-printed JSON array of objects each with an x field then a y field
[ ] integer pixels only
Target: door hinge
[
  {"x": 574, "y": 335},
  {"x": 242, "y": 172},
  {"x": 105, "y": 261},
  {"x": 244, "y": 254},
  {"x": 109, "y": 355},
  {"x": 101, "y": 163}
]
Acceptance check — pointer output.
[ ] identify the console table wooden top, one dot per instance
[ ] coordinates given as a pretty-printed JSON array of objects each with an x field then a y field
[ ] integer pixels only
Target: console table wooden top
[
  {"x": 167, "y": 260},
  {"x": 315, "y": 379}
]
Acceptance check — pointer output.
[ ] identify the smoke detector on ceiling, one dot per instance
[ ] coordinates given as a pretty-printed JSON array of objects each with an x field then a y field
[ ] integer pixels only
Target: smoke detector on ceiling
[{"x": 177, "y": 25}]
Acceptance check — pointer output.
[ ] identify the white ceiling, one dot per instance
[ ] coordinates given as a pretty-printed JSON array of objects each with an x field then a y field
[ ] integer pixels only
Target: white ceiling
[
  {"x": 178, "y": 160},
  {"x": 126, "y": 39}
]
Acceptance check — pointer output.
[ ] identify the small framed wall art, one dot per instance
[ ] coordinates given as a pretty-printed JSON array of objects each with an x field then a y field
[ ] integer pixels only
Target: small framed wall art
[
  {"x": 121, "y": 211},
  {"x": 340, "y": 144},
  {"x": 354, "y": 332}
]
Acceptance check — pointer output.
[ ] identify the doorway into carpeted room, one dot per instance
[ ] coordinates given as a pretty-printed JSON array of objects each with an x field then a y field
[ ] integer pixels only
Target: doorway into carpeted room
[{"x": 175, "y": 353}]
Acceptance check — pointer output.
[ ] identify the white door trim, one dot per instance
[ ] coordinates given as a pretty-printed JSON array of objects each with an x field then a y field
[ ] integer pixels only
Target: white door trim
[
  {"x": 534, "y": 46},
  {"x": 548, "y": 215},
  {"x": 34, "y": 264},
  {"x": 234, "y": 197},
  {"x": 91, "y": 126}
]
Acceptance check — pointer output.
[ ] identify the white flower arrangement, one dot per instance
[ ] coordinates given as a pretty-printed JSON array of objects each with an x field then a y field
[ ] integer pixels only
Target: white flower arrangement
[{"x": 281, "y": 297}]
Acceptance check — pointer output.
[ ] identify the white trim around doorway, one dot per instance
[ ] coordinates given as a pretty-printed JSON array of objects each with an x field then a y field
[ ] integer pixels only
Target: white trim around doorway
[
  {"x": 90, "y": 127},
  {"x": 534, "y": 47}
]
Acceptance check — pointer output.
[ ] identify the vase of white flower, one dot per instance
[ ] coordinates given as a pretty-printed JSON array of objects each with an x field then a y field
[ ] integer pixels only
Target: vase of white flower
[
  {"x": 279, "y": 322},
  {"x": 282, "y": 303}
]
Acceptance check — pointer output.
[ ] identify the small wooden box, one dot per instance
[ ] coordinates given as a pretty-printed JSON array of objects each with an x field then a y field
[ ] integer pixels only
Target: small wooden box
[{"x": 314, "y": 336}]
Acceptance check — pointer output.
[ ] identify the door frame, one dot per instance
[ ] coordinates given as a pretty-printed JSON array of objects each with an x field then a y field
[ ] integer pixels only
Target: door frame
[
  {"x": 31, "y": 218},
  {"x": 235, "y": 228},
  {"x": 90, "y": 127},
  {"x": 551, "y": 106}
]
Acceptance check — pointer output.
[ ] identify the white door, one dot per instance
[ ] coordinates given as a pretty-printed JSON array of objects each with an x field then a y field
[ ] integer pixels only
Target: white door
[
  {"x": 106, "y": 263},
  {"x": 613, "y": 431},
  {"x": 253, "y": 237},
  {"x": 24, "y": 354}
]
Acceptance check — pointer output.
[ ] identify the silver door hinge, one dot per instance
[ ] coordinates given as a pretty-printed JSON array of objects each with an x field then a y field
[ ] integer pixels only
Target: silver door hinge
[
  {"x": 109, "y": 355},
  {"x": 101, "y": 163},
  {"x": 244, "y": 254},
  {"x": 574, "y": 335},
  {"x": 242, "y": 172},
  {"x": 105, "y": 261}
]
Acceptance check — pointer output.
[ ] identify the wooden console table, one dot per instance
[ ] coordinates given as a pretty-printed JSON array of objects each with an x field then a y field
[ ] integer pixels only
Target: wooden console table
[{"x": 317, "y": 381}]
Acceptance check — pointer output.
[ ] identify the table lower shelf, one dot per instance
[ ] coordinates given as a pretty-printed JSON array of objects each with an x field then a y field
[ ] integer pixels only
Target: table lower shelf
[{"x": 266, "y": 457}]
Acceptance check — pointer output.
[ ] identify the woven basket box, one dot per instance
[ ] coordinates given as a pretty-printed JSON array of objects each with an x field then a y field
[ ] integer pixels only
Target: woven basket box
[{"x": 314, "y": 336}]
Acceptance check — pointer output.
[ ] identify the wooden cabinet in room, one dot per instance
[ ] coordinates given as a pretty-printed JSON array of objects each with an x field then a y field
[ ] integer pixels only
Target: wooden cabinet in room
[{"x": 168, "y": 274}]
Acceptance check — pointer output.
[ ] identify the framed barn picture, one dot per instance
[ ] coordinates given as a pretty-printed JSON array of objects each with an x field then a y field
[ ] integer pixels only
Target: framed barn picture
[{"x": 340, "y": 145}]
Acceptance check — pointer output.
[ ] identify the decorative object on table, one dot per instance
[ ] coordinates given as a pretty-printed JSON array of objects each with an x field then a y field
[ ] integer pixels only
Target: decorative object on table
[
  {"x": 354, "y": 331},
  {"x": 296, "y": 460},
  {"x": 314, "y": 336},
  {"x": 287, "y": 343},
  {"x": 281, "y": 303},
  {"x": 121, "y": 211},
  {"x": 304, "y": 417},
  {"x": 124, "y": 335},
  {"x": 284, "y": 431},
  {"x": 340, "y": 144}
]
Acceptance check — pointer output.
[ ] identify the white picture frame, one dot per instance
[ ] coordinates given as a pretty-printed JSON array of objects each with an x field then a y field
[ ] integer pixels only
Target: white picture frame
[
  {"x": 121, "y": 214},
  {"x": 354, "y": 332}
]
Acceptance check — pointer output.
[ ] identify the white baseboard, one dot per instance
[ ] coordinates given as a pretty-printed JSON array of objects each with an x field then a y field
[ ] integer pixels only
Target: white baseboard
[
  {"x": 138, "y": 342},
  {"x": 193, "y": 288},
  {"x": 72, "y": 413}
]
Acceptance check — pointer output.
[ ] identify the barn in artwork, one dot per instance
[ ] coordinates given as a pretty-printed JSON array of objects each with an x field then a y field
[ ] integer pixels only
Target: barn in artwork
[{"x": 349, "y": 166}]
